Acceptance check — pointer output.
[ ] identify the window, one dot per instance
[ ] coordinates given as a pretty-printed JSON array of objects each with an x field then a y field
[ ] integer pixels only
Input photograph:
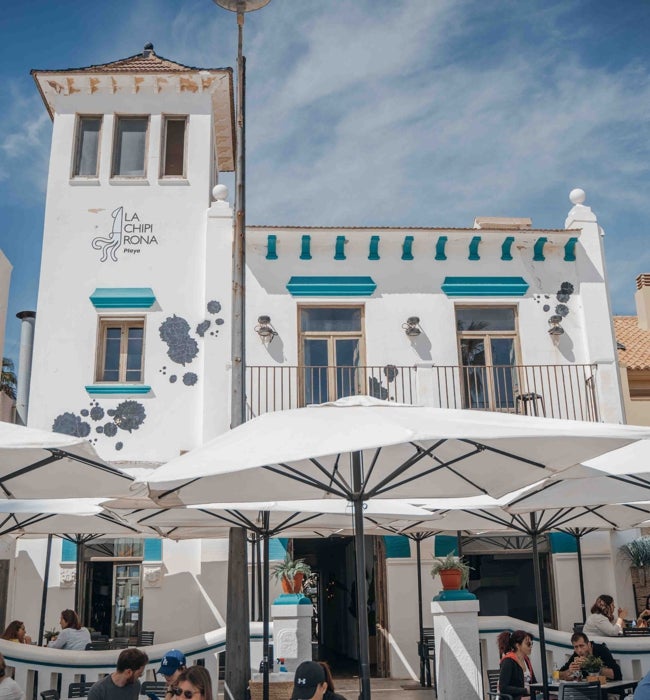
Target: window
[
  {"x": 331, "y": 340},
  {"x": 173, "y": 147},
  {"x": 129, "y": 152},
  {"x": 86, "y": 155},
  {"x": 487, "y": 339},
  {"x": 121, "y": 345}
]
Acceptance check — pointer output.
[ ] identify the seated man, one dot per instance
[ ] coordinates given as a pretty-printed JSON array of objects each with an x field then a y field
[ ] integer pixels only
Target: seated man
[
  {"x": 123, "y": 683},
  {"x": 583, "y": 647}
]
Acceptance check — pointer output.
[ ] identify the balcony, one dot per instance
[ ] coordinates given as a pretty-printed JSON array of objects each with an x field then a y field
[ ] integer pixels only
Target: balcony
[{"x": 554, "y": 391}]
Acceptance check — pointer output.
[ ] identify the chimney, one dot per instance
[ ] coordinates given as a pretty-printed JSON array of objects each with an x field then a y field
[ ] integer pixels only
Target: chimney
[{"x": 642, "y": 299}]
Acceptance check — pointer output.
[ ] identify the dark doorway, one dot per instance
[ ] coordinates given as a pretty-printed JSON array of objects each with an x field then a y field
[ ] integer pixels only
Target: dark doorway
[
  {"x": 334, "y": 593},
  {"x": 99, "y": 596}
]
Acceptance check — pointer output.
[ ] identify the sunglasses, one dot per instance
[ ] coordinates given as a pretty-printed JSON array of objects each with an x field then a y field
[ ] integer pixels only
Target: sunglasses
[{"x": 189, "y": 694}]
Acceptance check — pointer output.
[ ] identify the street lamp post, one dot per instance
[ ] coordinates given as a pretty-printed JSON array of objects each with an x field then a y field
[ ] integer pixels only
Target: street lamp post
[{"x": 237, "y": 614}]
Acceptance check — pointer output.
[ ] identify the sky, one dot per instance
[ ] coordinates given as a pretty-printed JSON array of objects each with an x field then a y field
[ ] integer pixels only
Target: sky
[{"x": 373, "y": 112}]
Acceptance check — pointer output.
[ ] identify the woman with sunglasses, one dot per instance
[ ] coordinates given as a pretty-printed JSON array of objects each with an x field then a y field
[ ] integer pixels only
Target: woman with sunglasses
[
  {"x": 516, "y": 671},
  {"x": 194, "y": 684},
  {"x": 9, "y": 689}
]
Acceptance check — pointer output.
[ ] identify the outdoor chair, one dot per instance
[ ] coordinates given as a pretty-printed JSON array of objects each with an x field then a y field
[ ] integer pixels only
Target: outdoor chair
[
  {"x": 636, "y": 631},
  {"x": 157, "y": 687},
  {"x": 493, "y": 679},
  {"x": 119, "y": 643},
  {"x": 499, "y": 696},
  {"x": 145, "y": 639},
  {"x": 51, "y": 694},
  {"x": 427, "y": 654},
  {"x": 579, "y": 691},
  {"x": 577, "y": 626},
  {"x": 98, "y": 645},
  {"x": 79, "y": 690}
]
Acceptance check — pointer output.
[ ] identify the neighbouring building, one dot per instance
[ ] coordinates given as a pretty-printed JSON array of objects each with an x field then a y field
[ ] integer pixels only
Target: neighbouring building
[
  {"x": 132, "y": 348},
  {"x": 6, "y": 403}
]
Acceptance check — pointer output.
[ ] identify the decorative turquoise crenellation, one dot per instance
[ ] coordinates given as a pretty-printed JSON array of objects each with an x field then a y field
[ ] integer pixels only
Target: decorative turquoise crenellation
[
  {"x": 538, "y": 249},
  {"x": 506, "y": 246},
  {"x": 473, "y": 248},
  {"x": 373, "y": 253},
  {"x": 339, "y": 249},
  {"x": 484, "y": 286},
  {"x": 570, "y": 249},
  {"x": 123, "y": 298},
  {"x": 305, "y": 248},
  {"x": 331, "y": 286},
  {"x": 407, "y": 248},
  {"x": 271, "y": 247},
  {"x": 440, "y": 248}
]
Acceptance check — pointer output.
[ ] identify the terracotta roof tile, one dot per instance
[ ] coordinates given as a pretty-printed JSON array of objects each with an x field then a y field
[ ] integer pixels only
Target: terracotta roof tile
[
  {"x": 146, "y": 62},
  {"x": 636, "y": 341}
]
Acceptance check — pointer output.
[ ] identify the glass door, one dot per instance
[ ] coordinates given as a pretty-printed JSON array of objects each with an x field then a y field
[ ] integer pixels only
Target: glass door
[
  {"x": 330, "y": 348},
  {"x": 127, "y": 599}
]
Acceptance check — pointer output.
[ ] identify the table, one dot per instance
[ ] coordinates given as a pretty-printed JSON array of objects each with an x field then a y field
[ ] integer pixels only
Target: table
[{"x": 609, "y": 688}]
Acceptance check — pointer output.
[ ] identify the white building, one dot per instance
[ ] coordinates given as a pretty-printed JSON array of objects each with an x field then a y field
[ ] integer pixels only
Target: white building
[{"x": 132, "y": 346}]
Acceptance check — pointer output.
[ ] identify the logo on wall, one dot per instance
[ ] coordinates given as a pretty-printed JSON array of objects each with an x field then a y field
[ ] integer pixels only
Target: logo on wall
[{"x": 128, "y": 236}]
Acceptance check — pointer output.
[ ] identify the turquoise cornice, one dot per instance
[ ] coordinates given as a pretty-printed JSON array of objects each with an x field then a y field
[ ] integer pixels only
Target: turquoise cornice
[
  {"x": 485, "y": 286},
  {"x": 462, "y": 594},
  {"x": 123, "y": 298},
  {"x": 331, "y": 286},
  {"x": 292, "y": 599},
  {"x": 271, "y": 247},
  {"x": 117, "y": 389}
]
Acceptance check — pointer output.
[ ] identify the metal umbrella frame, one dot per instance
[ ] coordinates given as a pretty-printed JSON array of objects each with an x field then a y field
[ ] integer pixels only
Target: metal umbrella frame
[{"x": 361, "y": 448}]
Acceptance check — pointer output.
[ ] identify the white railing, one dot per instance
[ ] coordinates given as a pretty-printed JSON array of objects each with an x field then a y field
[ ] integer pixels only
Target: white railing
[
  {"x": 39, "y": 668},
  {"x": 632, "y": 653}
]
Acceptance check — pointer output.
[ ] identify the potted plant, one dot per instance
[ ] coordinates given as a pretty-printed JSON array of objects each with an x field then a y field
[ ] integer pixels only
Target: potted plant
[
  {"x": 48, "y": 634},
  {"x": 291, "y": 573},
  {"x": 453, "y": 572},
  {"x": 591, "y": 667},
  {"x": 637, "y": 552}
]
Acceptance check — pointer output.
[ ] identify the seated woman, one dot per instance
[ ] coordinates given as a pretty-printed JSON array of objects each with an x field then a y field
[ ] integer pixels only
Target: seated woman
[
  {"x": 9, "y": 689},
  {"x": 644, "y": 617},
  {"x": 602, "y": 621},
  {"x": 516, "y": 671},
  {"x": 73, "y": 635},
  {"x": 15, "y": 632}
]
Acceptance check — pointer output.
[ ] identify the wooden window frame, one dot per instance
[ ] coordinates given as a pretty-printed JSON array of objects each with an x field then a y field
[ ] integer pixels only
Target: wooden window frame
[
  {"x": 166, "y": 118},
  {"x": 124, "y": 322},
  {"x": 76, "y": 145}
]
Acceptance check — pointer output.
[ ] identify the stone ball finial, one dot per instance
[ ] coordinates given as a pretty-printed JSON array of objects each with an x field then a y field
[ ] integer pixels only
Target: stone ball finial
[
  {"x": 577, "y": 196},
  {"x": 220, "y": 193}
]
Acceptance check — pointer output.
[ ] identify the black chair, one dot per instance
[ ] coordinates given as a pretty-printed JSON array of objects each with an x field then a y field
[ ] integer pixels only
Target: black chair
[
  {"x": 577, "y": 627},
  {"x": 579, "y": 691},
  {"x": 427, "y": 654},
  {"x": 79, "y": 690},
  {"x": 499, "y": 696},
  {"x": 157, "y": 687},
  {"x": 145, "y": 639},
  {"x": 98, "y": 645},
  {"x": 636, "y": 631},
  {"x": 493, "y": 679},
  {"x": 119, "y": 643},
  {"x": 51, "y": 694}
]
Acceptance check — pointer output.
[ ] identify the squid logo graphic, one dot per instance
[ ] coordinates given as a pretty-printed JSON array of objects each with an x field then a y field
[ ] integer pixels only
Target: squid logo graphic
[{"x": 110, "y": 245}]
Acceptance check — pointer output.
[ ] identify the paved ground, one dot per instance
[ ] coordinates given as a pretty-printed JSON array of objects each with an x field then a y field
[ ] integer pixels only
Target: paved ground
[{"x": 386, "y": 689}]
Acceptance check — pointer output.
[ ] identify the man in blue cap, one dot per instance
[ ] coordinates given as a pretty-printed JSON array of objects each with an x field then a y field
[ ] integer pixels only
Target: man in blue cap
[{"x": 172, "y": 665}]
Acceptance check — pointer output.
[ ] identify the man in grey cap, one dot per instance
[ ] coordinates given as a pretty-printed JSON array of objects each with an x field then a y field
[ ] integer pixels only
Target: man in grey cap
[{"x": 310, "y": 682}]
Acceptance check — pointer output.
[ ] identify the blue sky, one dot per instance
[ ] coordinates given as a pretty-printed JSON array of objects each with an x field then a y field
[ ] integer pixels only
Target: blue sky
[{"x": 374, "y": 112}]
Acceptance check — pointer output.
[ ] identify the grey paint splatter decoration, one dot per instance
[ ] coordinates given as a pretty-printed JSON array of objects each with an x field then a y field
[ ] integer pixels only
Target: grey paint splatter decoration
[
  {"x": 71, "y": 424},
  {"x": 202, "y": 328},
  {"x": 563, "y": 296},
  {"x": 214, "y": 307},
  {"x": 190, "y": 379},
  {"x": 562, "y": 310},
  {"x": 128, "y": 416},
  {"x": 172, "y": 379},
  {"x": 181, "y": 347}
]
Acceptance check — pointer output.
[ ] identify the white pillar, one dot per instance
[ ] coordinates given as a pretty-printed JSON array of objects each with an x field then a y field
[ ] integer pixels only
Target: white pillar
[
  {"x": 458, "y": 661},
  {"x": 24, "y": 365},
  {"x": 292, "y": 615}
]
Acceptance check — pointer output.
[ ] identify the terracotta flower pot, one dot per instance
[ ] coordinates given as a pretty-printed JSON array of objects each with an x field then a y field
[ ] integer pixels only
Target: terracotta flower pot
[
  {"x": 295, "y": 587},
  {"x": 451, "y": 579}
]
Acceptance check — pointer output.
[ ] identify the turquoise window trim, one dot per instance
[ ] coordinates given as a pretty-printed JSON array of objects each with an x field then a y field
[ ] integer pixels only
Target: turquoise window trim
[
  {"x": 373, "y": 253},
  {"x": 68, "y": 551},
  {"x": 444, "y": 545},
  {"x": 305, "y": 248},
  {"x": 278, "y": 548},
  {"x": 271, "y": 247},
  {"x": 485, "y": 286},
  {"x": 331, "y": 286},
  {"x": 440, "y": 248},
  {"x": 570, "y": 249},
  {"x": 473, "y": 248},
  {"x": 339, "y": 250},
  {"x": 152, "y": 549},
  {"x": 117, "y": 389},
  {"x": 407, "y": 248},
  {"x": 505, "y": 248},
  {"x": 397, "y": 547},
  {"x": 561, "y": 542},
  {"x": 538, "y": 249},
  {"x": 123, "y": 298}
]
